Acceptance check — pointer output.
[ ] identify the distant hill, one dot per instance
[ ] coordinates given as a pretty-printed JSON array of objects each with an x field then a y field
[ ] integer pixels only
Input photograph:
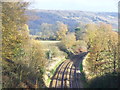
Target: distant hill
[{"x": 71, "y": 18}]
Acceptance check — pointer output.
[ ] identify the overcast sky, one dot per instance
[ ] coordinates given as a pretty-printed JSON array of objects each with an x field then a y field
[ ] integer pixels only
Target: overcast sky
[{"x": 83, "y": 5}]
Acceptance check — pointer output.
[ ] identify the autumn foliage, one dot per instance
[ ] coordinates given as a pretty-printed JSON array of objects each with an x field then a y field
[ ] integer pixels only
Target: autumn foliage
[
  {"x": 22, "y": 58},
  {"x": 103, "y": 53}
]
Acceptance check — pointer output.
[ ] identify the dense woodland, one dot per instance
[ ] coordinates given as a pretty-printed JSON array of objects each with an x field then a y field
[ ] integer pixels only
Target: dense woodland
[{"x": 24, "y": 60}]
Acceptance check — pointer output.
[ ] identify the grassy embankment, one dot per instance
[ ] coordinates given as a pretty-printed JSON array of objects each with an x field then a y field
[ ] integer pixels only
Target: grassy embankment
[
  {"x": 83, "y": 78},
  {"x": 57, "y": 58}
]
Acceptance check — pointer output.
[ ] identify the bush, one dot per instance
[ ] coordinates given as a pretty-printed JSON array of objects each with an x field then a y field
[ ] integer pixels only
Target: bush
[{"x": 105, "y": 81}]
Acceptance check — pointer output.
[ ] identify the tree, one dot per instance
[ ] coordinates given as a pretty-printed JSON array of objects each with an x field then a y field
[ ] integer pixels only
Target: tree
[
  {"x": 79, "y": 33},
  {"x": 61, "y": 30},
  {"x": 103, "y": 49},
  {"x": 13, "y": 18},
  {"x": 91, "y": 30},
  {"x": 22, "y": 58},
  {"x": 46, "y": 30},
  {"x": 69, "y": 40}
]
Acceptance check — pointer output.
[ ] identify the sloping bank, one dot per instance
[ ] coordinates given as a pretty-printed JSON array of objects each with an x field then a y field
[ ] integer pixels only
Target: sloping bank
[
  {"x": 84, "y": 66},
  {"x": 83, "y": 71}
]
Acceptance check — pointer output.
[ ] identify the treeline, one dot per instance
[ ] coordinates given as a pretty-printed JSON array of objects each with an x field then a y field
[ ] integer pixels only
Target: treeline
[
  {"x": 101, "y": 65},
  {"x": 51, "y": 31},
  {"x": 23, "y": 59}
]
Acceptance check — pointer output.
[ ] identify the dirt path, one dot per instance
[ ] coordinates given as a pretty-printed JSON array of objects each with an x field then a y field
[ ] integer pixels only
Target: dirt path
[{"x": 68, "y": 73}]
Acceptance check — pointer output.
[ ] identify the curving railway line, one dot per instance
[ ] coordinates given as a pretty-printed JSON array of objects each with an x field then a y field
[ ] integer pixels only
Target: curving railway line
[{"x": 68, "y": 74}]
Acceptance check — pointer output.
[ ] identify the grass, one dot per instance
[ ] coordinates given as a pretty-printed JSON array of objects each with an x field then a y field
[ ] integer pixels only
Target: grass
[
  {"x": 48, "y": 80},
  {"x": 50, "y": 42},
  {"x": 83, "y": 78},
  {"x": 81, "y": 67}
]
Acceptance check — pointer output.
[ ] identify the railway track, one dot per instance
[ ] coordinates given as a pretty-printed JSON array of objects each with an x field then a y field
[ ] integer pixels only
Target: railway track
[
  {"x": 56, "y": 75},
  {"x": 67, "y": 75}
]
